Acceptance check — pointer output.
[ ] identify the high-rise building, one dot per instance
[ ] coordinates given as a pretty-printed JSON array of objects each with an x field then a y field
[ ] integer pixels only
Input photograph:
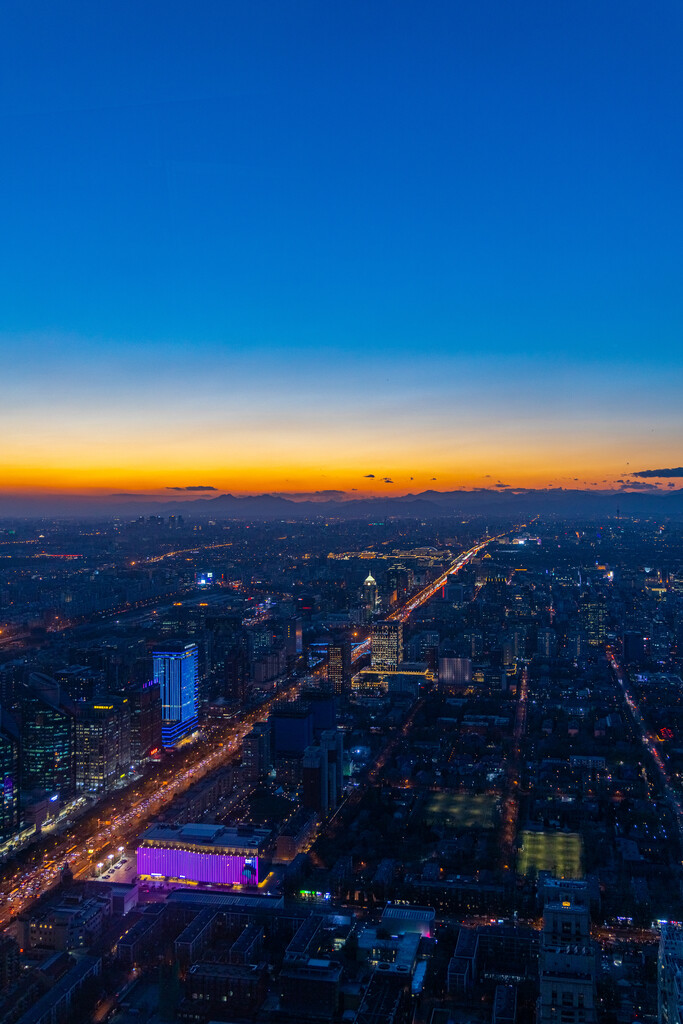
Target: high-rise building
[
  {"x": 47, "y": 738},
  {"x": 399, "y": 582},
  {"x": 256, "y": 753},
  {"x": 294, "y": 637},
  {"x": 236, "y": 672},
  {"x": 9, "y": 775},
  {"x": 145, "y": 721},
  {"x": 633, "y": 647},
  {"x": 102, "y": 743},
  {"x": 369, "y": 598},
  {"x": 594, "y": 619},
  {"x": 315, "y": 795},
  {"x": 546, "y": 642},
  {"x": 387, "y": 645},
  {"x": 339, "y": 665},
  {"x": 568, "y": 960},
  {"x": 292, "y": 729},
  {"x": 176, "y": 671}
]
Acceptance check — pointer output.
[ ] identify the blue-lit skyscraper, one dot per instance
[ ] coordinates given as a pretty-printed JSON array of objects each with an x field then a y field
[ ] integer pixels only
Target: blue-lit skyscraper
[{"x": 176, "y": 672}]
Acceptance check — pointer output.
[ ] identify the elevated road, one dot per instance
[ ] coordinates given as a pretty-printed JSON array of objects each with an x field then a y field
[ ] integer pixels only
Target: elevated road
[{"x": 403, "y": 613}]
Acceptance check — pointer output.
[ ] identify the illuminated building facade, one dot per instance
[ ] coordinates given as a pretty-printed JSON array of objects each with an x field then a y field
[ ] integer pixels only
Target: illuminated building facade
[
  {"x": 47, "y": 738},
  {"x": 369, "y": 597},
  {"x": 593, "y": 615},
  {"x": 176, "y": 672},
  {"x": 387, "y": 645},
  {"x": 203, "y": 854},
  {"x": 102, "y": 743},
  {"x": 339, "y": 665}
]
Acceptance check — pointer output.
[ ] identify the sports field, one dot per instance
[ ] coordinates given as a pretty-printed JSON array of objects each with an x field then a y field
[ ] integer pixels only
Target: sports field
[
  {"x": 460, "y": 810},
  {"x": 557, "y": 852}
]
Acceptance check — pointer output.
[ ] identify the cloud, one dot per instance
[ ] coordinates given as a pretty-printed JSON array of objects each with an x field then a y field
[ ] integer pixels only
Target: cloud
[
  {"x": 193, "y": 487},
  {"x": 433, "y": 478},
  {"x": 124, "y": 494},
  {"x": 387, "y": 480},
  {"x": 369, "y": 476},
  {"x": 636, "y": 485},
  {"x": 671, "y": 485},
  {"x": 677, "y": 471},
  {"x": 499, "y": 484}
]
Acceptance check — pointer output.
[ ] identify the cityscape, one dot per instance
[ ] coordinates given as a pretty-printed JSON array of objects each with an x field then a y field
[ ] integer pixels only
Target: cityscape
[
  {"x": 341, "y": 512},
  {"x": 329, "y": 770}
]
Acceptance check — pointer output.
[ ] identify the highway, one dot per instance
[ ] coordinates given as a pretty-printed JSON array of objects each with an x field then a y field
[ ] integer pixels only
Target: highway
[
  {"x": 649, "y": 742},
  {"x": 417, "y": 600},
  {"x": 93, "y": 833}
]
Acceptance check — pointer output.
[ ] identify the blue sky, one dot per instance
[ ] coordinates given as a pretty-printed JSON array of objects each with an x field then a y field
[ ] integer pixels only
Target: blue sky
[{"x": 227, "y": 221}]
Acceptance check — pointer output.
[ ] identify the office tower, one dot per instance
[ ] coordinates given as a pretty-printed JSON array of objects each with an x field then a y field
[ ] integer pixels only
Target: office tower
[
  {"x": 399, "y": 582},
  {"x": 47, "y": 738},
  {"x": 475, "y": 640},
  {"x": 259, "y": 641},
  {"x": 369, "y": 599},
  {"x": 102, "y": 743},
  {"x": 546, "y": 642},
  {"x": 332, "y": 743},
  {"x": 519, "y": 638},
  {"x": 315, "y": 796},
  {"x": 175, "y": 670},
  {"x": 256, "y": 754},
  {"x": 292, "y": 729},
  {"x": 9, "y": 776},
  {"x": 339, "y": 666},
  {"x": 633, "y": 648},
  {"x": 568, "y": 960},
  {"x": 387, "y": 645},
  {"x": 593, "y": 619},
  {"x": 294, "y": 637},
  {"x": 236, "y": 671},
  {"x": 145, "y": 721}
]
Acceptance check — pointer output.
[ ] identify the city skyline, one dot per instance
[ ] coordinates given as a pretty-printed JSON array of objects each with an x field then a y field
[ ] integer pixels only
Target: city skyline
[{"x": 372, "y": 249}]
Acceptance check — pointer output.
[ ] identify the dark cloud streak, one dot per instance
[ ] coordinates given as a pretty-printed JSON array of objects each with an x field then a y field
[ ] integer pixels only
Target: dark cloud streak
[{"x": 676, "y": 471}]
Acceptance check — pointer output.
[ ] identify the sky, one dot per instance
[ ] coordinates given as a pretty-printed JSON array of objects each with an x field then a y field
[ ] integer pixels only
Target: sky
[{"x": 371, "y": 245}]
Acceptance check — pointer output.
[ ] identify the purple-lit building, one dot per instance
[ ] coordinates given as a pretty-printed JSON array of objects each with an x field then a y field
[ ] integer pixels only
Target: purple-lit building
[{"x": 208, "y": 854}]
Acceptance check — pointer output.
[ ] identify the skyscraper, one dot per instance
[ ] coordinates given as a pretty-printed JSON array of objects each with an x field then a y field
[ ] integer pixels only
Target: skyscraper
[
  {"x": 102, "y": 743},
  {"x": 369, "y": 597},
  {"x": 47, "y": 738},
  {"x": 568, "y": 960},
  {"x": 387, "y": 645},
  {"x": 593, "y": 615},
  {"x": 9, "y": 776},
  {"x": 176, "y": 671},
  {"x": 339, "y": 665}
]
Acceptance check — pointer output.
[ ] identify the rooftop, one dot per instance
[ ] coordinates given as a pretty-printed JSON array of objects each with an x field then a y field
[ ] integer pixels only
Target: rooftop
[{"x": 206, "y": 835}]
